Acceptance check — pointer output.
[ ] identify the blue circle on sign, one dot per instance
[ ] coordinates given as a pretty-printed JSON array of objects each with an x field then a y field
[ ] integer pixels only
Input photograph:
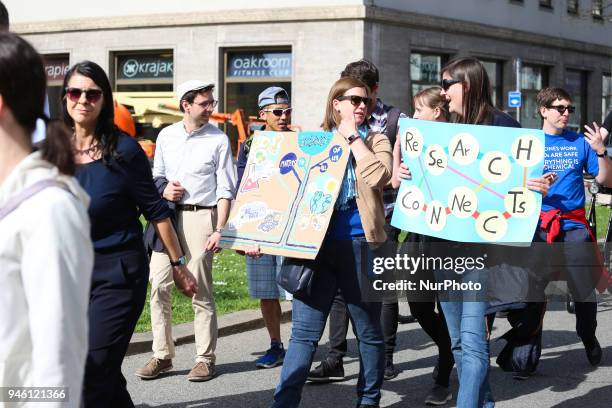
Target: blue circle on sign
[
  {"x": 323, "y": 167},
  {"x": 335, "y": 153},
  {"x": 287, "y": 163}
]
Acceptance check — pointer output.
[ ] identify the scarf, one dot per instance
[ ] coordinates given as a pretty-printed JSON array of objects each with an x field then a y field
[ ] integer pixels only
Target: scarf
[{"x": 348, "y": 190}]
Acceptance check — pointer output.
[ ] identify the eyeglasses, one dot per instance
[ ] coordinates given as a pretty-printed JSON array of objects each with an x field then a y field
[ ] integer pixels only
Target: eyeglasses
[
  {"x": 208, "y": 104},
  {"x": 562, "y": 108},
  {"x": 355, "y": 99},
  {"x": 447, "y": 83},
  {"x": 279, "y": 112},
  {"x": 91, "y": 95}
]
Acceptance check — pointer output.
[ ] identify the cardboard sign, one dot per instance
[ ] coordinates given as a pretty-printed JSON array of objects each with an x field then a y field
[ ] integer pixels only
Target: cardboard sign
[
  {"x": 469, "y": 182},
  {"x": 287, "y": 194}
]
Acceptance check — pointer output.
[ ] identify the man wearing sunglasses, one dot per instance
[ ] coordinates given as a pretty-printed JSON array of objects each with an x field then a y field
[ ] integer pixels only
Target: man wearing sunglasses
[
  {"x": 194, "y": 159},
  {"x": 563, "y": 220},
  {"x": 275, "y": 110}
]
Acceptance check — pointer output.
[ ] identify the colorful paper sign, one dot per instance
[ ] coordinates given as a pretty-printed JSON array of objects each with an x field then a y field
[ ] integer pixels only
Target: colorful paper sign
[
  {"x": 287, "y": 194},
  {"x": 469, "y": 182}
]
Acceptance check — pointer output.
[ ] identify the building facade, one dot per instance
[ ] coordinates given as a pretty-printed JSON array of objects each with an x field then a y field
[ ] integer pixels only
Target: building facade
[{"x": 148, "y": 47}]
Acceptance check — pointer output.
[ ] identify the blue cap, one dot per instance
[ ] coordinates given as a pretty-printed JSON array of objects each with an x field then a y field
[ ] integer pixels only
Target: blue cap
[{"x": 273, "y": 95}]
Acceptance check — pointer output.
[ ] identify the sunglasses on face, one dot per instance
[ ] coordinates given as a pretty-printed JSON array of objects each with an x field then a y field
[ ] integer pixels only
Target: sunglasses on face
[
  {"x": 91, "y": 95},
  {"x": 562, "y": 108},
  {"x": 355, "y": 99},
  {"x": 279, "y": 112},
  {"x": 447, "y": 83}
]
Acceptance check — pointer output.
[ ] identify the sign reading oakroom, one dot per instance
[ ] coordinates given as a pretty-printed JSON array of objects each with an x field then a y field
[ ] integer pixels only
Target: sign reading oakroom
[{"x": 259, "y": 65}]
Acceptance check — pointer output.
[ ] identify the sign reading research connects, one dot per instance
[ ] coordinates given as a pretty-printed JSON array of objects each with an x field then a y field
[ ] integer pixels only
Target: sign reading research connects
[{"x": 469, "y": 183}]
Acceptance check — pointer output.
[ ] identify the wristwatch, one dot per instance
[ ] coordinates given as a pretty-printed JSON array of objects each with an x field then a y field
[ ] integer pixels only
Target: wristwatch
[
  {"x": 351, "y": 138},
  {"x": 604, "y": 154},
  {"x": 219, "y": 230},
  {"x": 180, "y": 262}
]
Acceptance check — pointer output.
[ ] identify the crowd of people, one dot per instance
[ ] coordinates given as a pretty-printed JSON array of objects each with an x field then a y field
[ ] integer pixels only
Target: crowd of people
[{"x": 77, "y": 263}]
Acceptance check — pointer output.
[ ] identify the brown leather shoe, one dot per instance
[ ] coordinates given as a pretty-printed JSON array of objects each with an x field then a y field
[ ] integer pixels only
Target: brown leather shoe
[
  {"x": 202, "y": 372},
  {"x": 154, "y": 368}
]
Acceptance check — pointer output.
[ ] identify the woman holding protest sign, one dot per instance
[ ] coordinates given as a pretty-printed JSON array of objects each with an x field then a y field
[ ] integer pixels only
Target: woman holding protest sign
[
  {"x": 115, "y": 172},
  {"x": 429, "y": 104},
  {"x": 357, "y": 222},
  {"x": 467, "y": 89}
]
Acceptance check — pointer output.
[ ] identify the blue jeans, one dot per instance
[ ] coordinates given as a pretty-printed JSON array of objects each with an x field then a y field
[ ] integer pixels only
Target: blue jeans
[
  {"x": 337, "y": 266},
  {"x": 467, "y": 327}
]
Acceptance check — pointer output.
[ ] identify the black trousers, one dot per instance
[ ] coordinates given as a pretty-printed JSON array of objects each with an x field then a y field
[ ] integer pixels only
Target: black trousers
[{"x": 118, "y": 292}]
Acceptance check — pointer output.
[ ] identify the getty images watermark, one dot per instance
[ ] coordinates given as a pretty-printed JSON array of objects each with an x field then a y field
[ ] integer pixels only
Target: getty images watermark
[{"x": 411, "y": 265}]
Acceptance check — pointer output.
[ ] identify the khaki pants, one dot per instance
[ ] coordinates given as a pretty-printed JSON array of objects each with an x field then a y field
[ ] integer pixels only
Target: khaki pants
[{"x": 194, "y": 228}]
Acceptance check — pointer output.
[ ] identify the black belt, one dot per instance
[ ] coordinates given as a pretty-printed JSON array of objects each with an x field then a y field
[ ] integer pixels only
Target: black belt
[{"x": 193, "y": 207}]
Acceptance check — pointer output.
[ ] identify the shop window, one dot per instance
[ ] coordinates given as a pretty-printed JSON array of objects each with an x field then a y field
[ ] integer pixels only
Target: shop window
[
  {"x": 606, "y": 95},
  {"x": 572, "y": 6},
  {"x": 576, "y": 86},
  {"x": 533, "y": 79},
  {"x": 56, "y": 68},
  {"x": 425, "y": 70},
  {"x": 597, "y": 11},
  {"x": 547, "y": 4},
  {"x": 247, "y": 72},
  {"x": 494, "y": 71},
  {"x": 150, "y": 71}
]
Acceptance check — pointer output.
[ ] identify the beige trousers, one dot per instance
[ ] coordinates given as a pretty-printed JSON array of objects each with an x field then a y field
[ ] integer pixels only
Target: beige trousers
[{"x": 194, "y": 228}]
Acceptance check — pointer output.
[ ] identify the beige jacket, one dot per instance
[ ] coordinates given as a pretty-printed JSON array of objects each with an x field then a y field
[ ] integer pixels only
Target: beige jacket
[{"x": 373, "y": 173}]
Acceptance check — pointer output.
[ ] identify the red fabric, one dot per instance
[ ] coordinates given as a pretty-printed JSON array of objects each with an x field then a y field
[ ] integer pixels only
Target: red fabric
[{"x": 551, "y": 224}]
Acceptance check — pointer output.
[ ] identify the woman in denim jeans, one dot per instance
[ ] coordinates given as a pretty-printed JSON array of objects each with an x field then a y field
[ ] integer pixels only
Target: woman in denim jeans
[
  {"x": 357, "y": 222},
  {"x": 466, "y": 87}
]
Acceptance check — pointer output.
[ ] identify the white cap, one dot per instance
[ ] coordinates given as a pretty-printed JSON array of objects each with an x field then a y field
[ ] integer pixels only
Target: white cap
[{"x": 191, "y": 85}]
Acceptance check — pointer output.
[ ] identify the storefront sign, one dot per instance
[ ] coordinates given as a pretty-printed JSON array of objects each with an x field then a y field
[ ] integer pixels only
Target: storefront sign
[
  {"x": 144, "y": 67},
  {"x": 56, "y": 69},
  {"x": 260, "y": 65}
]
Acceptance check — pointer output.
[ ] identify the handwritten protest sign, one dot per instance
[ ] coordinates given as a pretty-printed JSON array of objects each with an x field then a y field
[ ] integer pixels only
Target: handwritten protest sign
[
  {"x": 469, "y": 182},
  {"x": 287, "y": 194}
]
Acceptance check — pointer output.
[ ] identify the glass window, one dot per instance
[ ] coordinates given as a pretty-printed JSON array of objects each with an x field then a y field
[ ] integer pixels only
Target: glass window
[
  {"x": 56, "y": 68},
  {"x": 533, "y": 78},
  {"x": 572, "y": 6},
  {"x": 494, "y": 70},
  {"x": 247, "y": 73},
  {"x": 597, "y": 9},
  {"x": 546, "y": 4},
  {"x": 606, "y": 95},
  {"x": 425, "y": 70},
  {"x": 150, "y": 71},
  {"x": 575, "y": 85}
]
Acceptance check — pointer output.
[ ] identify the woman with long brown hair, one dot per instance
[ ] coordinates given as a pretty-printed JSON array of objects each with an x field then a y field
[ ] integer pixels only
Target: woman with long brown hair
[{"x": 357, "y": 221}]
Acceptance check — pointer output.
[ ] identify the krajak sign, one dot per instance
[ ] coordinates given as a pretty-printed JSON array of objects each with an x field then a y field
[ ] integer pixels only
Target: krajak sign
[
  {"x": 145, "y": 67},
  {"x": 260, "y": 65},
  {"x": 56, "y": 69}
]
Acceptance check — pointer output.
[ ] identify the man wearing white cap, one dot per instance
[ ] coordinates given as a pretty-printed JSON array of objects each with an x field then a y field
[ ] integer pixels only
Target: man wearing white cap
[{"x": 195, "y": 158}]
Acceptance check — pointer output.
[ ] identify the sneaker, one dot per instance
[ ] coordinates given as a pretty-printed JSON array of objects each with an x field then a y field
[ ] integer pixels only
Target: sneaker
[
  {"x": 327, "y": 371},
  {"x": 521, "y": 375},
  {"x": 202, "y": 372},
  {"x": 401, "y": 319},
  {"x": 273, "y": 357},
  {"x": 438, "y": 395},
  {"x": 390, "y": 370},
  {"x": 593, "y": 351},
  {"x": 154, "y": 368}
]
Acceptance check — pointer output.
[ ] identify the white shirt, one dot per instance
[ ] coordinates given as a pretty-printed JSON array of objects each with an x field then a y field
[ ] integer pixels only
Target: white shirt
[
  {"x": 46, "y": 262},
  {"x": 201, "y": 161}
]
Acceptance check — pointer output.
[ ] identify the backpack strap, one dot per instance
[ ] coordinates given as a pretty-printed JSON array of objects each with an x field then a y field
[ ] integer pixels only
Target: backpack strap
[
  {"x": 15, "y": 201},
  {"x": 392, "y": 118}
]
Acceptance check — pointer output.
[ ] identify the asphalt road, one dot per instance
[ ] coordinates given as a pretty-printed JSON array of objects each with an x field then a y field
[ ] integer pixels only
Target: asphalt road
[{"x": 564, "y": 378}]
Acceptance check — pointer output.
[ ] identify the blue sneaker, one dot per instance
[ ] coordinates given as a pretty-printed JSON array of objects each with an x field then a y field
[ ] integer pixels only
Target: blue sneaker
[{"x": 273, "y": 357}]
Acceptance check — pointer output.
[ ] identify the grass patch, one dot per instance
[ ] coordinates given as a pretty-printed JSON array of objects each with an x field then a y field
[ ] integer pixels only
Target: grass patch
[
  {"x": 602, "y": 213},
  {"x": 229, "y": 289}
]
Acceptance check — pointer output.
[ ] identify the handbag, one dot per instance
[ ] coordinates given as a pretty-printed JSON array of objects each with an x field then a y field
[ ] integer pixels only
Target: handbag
[{"x": 295, "y": 278}]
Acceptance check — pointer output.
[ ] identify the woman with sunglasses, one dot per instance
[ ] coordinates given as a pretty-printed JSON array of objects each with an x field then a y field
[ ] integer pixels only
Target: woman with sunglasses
[
  {"x": 358, "y": 220},
  {"x": 466, "y": 87},
  {"x": 115, "y": 172},
  {"x": 46, "y": 255}
]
